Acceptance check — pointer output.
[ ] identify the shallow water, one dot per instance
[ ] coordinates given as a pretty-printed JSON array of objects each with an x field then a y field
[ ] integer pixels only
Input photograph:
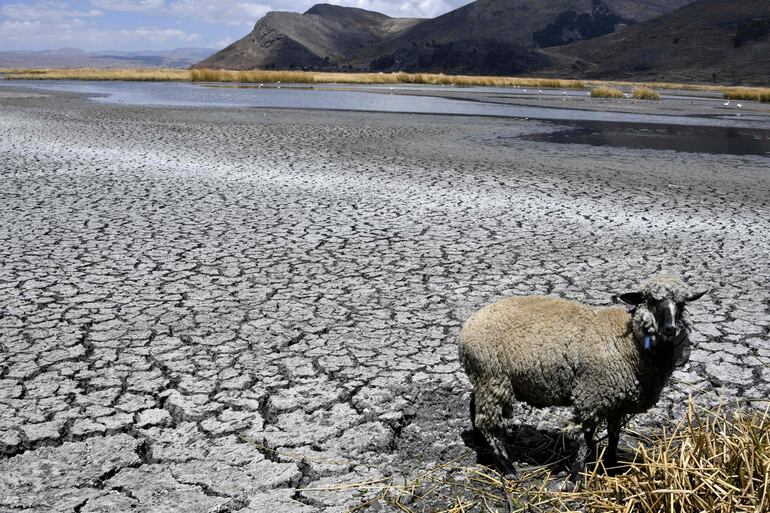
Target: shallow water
[
  {"x": 693, "y": 139},
  {"x": 689, "y": 133},
  {"x": 342, "y": 98}
]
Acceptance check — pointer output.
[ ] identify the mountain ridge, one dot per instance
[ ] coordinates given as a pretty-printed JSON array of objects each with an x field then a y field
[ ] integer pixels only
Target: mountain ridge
[
  {"x": 722, "y": 41},
  {"x": 334, "y": 37}
]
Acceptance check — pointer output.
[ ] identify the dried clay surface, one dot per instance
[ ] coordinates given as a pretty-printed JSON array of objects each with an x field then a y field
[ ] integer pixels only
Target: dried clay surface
[{"x": 245, "y": 310}]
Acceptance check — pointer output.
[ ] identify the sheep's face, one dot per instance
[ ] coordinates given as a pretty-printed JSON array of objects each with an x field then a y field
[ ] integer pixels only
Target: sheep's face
[{"x": 665, "y": 298}]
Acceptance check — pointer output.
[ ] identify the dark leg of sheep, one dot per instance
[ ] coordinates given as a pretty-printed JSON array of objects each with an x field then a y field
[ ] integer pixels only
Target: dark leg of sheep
[
  {"x": 473, "y": 410},
  {"x": 586, "y": 445},
  {"x": 613, "y": 436}
]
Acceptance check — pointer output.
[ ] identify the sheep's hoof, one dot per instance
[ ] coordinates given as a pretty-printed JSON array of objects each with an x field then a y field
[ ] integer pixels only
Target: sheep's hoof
[
  {"x": 570, "y": 485},
  {"x": 508, "y": 471}
]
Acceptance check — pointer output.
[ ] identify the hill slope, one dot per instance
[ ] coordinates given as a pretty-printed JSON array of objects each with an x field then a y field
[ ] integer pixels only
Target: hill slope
[
  {"x": 726, "y": 41},
  {"x": 325, "y": 36},
  {"x": 484, "y": 36}
]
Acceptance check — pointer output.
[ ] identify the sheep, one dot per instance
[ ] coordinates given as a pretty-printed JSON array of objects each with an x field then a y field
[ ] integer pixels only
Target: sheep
[{"x": 547, "y": 351}]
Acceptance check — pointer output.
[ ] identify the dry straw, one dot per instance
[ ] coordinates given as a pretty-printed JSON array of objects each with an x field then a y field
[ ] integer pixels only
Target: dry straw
[
  {"x": 606, "y": 89},
  {"x": 139, "y": 74},
  {"x": 715, "y": 461},
  {"x": 606, "y": 92},
  {"x": 301, "y": 77},
  {"x": 645, "y": 93},
  {"x": 311, "y": 77},
  {"x": 757, "y": 94}
]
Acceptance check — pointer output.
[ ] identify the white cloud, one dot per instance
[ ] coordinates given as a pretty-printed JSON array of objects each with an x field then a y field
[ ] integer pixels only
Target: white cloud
[
  {"x": 77, "y": 33},
  {"x": 226, "y": 13},
  {"x": 223, "y": 12},
  {"x": 146, "y": 6},
  {"x": 156, "y": 35},
  {"x": 44, "y": 11}
]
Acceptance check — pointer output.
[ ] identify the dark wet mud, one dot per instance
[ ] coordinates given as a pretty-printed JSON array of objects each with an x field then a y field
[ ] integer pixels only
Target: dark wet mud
[{"x": 647, "y": 136}]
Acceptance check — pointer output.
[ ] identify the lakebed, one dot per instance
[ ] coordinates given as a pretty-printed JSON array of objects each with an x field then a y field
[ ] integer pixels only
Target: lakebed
[{"x": 247, "y": 308}]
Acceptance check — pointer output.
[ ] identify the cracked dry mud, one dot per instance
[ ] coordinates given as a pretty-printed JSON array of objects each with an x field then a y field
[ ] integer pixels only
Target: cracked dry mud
[{"x": 243, "y": 310}]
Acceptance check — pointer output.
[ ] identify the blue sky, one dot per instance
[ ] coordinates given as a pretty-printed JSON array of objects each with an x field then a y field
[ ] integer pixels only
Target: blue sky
[{"x": 161, "y": 24}]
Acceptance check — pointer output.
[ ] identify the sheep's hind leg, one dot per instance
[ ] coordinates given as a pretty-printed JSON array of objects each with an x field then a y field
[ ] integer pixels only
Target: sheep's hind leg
[
  {"x": 586, "y": 444},
  {"x": 473, "y": 410},
  {"x": 487, "y": 418}
]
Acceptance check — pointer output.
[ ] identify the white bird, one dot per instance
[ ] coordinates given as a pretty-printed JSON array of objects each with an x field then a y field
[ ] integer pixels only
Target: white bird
[
  {"x": 539, "y": 91},
  {"x": 726, "y": 104},
  {"x": 525, "y": 90},
  {"x": 740, "y": 105},
  {"x": 564, "y": 93}
]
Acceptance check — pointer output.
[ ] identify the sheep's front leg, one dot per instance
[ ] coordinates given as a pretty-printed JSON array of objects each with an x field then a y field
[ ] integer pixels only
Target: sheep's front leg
[
  {"x": 613, "y": 436},
  {"x": 586, "y": 445}
]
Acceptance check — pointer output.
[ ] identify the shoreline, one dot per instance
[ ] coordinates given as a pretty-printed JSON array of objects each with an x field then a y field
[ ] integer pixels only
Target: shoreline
[
  {"x": 550, "y": 106},
  {"x": 736, "y": 92}
]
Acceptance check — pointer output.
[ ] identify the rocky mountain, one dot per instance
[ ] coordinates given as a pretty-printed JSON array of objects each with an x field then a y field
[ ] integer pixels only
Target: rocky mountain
[
  {"x": 325, "y": 36},
  {"x": 77, "y": 58},
  {"x": 486, "y": 36},
  {"x": 725, "y": 41}
]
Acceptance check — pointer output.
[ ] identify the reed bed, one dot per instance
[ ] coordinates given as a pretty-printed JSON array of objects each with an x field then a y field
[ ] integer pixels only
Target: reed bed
[
  {"x": 660, "y": 85},
  {"x": 138, "y": 74},
  {"x": 757, "y": 94},
  {"x": 311, "y": 77},
  {"x": 272, "y": 77},
  {"x": 715, "y": 461},
  {"x": 645, "y": 93},
  {"x": 603, "y": 89},
  {"x": 606, "y": 92}
]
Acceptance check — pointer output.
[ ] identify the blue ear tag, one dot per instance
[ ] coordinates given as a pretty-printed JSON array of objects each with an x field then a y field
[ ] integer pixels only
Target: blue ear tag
[{"x": 646, "y": 342}]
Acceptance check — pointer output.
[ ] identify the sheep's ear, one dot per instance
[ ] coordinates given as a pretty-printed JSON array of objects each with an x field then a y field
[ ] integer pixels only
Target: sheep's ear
[
  {"x": 632, "y": 298},
  {"x": 696, "y": 295}
]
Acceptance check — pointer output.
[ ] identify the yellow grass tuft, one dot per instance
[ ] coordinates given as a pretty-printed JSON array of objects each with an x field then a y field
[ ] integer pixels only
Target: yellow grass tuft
[
  {"x": 604, "y": 89},
  {"x": 645, "y": 93},
  {"x": 311, "y": 77},
  {"x": 270, "y": 76},
  {"x": 139, "y": 74},
  {"x": 714, "y": 461},
  {"x": 757, "y": 94},
  {"x": 606, "y": 92}
]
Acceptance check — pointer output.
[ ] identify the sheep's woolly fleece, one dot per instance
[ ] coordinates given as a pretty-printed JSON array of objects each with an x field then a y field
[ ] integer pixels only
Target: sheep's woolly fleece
[{"x": 664, "y": 285}]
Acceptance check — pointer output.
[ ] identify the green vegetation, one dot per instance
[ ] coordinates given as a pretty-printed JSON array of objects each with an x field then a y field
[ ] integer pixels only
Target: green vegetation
[
  {"x": 606, "y": 92},
  {"x": 645, "y": 93}
]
